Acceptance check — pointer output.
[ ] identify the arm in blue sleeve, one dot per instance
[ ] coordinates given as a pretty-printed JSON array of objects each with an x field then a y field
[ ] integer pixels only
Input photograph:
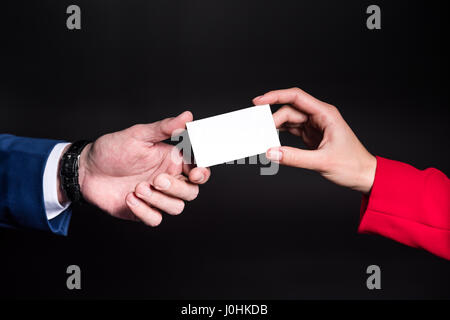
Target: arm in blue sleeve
[{"x": 22, "y": 164}]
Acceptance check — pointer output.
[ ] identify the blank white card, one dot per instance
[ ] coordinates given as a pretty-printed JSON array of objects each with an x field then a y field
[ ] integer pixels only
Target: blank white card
[{"x": 232, "y": 136}]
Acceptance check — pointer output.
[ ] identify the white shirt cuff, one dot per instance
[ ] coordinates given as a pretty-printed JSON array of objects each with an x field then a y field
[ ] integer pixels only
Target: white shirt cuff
[{"x": 50, "y": 183}]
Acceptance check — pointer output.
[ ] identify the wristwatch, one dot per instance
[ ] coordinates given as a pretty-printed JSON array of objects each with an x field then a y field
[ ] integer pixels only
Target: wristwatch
[{"x": 70, "y": 163}]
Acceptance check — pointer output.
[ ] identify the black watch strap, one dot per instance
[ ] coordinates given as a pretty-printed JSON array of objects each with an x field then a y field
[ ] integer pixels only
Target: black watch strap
[{"x": 70, "y": 163}]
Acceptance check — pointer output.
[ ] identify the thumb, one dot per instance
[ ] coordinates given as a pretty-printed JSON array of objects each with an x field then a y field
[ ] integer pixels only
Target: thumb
[
  {"x": 162, "y": 130},
  {"x": 293, "y": 157}
]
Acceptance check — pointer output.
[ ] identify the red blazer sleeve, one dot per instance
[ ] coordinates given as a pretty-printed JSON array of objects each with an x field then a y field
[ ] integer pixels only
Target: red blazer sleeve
[{"x": 410, "y": 206}]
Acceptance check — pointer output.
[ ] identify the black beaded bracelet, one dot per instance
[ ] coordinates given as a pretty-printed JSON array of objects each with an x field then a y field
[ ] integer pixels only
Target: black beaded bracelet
[{"x": 70, "y": 163}]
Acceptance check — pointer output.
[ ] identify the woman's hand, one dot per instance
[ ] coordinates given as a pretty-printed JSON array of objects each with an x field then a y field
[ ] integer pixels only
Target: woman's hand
[{"x": 336, "y": 153}]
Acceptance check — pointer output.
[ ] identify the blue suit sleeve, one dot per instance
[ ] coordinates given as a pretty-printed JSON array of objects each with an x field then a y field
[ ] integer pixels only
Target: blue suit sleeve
[{"x": 22, "y": 165}]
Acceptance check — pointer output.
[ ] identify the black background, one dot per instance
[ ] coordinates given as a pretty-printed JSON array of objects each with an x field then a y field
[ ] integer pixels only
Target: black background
[{"x": 288, "y": 236}]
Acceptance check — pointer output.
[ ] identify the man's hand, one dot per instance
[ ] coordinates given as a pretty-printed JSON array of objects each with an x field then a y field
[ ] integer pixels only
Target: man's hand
[
  {"x": 336, "y": 151},
  {"x": 132, "y": 175}
]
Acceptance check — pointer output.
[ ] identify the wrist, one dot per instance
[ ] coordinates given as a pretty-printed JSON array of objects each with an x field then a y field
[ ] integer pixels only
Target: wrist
[
  {"x": 83, "y": 170},
  {"x": 70, "y": 171},
  {"x": 368, "y": 174}
]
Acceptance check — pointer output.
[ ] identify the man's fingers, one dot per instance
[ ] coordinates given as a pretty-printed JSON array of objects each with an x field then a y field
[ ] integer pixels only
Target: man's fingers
[
  {"x": 176, "y": 187},
  {"x": 287, "y": 114},
  {"x": 293, "y": 157},
  {"x": 159, "y": 200},
  {"x": 142, "y": 211},
  {"x": 162, "y": 130},
  {"x": 197, "y": 175},
  {"x": 295, "y": 97}
]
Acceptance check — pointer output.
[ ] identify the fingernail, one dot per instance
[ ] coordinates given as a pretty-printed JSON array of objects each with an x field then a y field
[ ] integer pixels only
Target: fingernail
[
  {"x": 132, "y": 201},
  {"x": 258, "y": 97},
  {"x": 274, "y": 154},
  {"x": 199, "y": 178},
  {"x": 162, "y": 183}
]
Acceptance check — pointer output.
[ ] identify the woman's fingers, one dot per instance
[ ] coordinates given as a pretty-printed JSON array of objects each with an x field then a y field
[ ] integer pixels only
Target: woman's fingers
[
  {"x": 175, "y": 187},
  {"x": 287, "y": 116},
  {"x": 142, "y": 211},
  {"x": 295, "y": 97},
  {"x": 296, "y": 131},
  {"x": 294, "y": 157},
  {"x": 158, "y": 199}
]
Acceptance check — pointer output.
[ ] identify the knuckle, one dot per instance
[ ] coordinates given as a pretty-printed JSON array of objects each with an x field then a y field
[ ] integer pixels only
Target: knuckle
[
  {"x": 331, "y": 114},
  {"x": 324, "y": 118},
  {"x": 136, "y": 129},
  {"x": 334, "y": 110},
  {"x": 176, "y": 156},
  {"x": 285, "y": 109},
  {"x": 295, "y": 157},
  {"x": 296, "y": 90},
  {"x": 165, "y": 125},
  {"x": 289, "y": 157},
  {"x": 141, "y": 188}
]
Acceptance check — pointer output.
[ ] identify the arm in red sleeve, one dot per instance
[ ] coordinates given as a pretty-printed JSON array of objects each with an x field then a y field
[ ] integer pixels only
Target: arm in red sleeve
[{"x": 410, "y": 206}]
